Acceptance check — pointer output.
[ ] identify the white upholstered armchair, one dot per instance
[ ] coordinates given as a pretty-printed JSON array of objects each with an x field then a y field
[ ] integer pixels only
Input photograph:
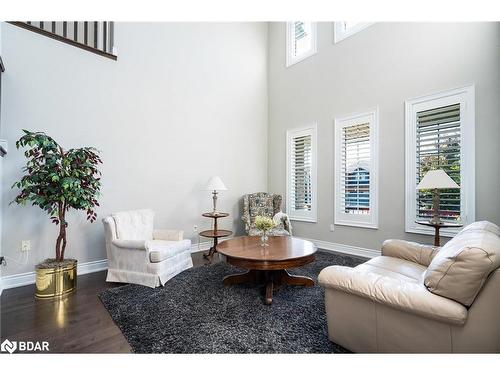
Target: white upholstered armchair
[{"x": 139, "y": 254}]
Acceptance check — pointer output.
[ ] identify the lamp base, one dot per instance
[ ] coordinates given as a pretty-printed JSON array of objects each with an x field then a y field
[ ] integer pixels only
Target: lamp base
[
  {"x": 214, "y": 198},
  {"x": 435, "y": 208},
  {"x": 435, "y": 220}
]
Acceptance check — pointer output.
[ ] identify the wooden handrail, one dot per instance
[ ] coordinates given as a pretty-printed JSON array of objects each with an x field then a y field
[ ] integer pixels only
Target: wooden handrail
[{"x": 63, "y": 39}]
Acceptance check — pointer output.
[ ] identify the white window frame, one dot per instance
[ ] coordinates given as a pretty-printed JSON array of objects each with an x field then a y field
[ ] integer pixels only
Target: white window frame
[
  {"x": 290, "y": 58},
  {"x": 302, "y": 215},
  {"x": 340, "y": 32},
  {"x": 349, "y": 219},
  {"x": 466, "y": 97}
]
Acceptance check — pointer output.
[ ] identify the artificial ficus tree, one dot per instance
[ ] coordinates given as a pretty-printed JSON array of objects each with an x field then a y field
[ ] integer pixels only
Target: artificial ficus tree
[{"x": 57, "y": 180}]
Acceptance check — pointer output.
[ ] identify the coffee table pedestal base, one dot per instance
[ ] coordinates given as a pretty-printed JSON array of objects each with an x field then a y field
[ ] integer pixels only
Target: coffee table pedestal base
[{"x": 273, "y": 279}]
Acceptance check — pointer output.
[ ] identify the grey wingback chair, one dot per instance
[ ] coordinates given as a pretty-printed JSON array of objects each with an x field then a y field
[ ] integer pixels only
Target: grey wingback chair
[{"x": 264, "y": 204}]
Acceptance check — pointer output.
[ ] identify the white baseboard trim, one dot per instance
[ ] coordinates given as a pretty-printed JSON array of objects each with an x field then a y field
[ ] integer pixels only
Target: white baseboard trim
[
  {"x": 27, "y": 278},
  {"x": 22, "y": 279},
  {"x": 201, "y": 246},
  {"x": 346, "y": 249}
]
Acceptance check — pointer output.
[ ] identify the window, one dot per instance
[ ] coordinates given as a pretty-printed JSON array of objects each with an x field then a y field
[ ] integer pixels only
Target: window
[
  {"x": 301, "y": 199},
  {"x": 300, "y": 41},
  {"x": 356, "y": 170},
  {"x": 440, "y": 135},
  {"x": 345, "y": 29}
]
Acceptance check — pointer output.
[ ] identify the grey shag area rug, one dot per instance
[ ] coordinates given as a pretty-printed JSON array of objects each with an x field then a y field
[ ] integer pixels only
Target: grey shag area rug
[{"x": 195, "y": 313}]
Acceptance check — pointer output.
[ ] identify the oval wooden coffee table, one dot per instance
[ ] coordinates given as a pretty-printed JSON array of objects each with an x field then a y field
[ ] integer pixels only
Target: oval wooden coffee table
[{"x": 268, "y": 264}]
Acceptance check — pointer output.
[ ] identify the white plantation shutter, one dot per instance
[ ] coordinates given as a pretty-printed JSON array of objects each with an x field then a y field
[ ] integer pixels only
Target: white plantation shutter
[
  {"x": 301, "y": 198},
  {"x": 440, "y": 135},
  {"x": 438, "y": 147},
  {"x": 356, "y": 170},
  {"x": 345, "y": 29},
  {"x": 301, "y": 41},
  {"x": 301, "y": 174}
]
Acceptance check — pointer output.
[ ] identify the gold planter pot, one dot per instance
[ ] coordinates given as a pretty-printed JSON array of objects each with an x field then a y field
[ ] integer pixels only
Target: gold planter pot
[{"x": 55, "y": 282}]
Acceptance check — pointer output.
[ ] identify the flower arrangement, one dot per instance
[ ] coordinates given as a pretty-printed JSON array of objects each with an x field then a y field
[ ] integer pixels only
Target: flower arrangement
[{"x": 264, "y": 224}]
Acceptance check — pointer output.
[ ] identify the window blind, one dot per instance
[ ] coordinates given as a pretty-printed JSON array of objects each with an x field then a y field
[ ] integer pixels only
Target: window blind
[
  {"x": 302, "y": 42},
  {"x": 301, "y": 169},
  {"x": 438, "y": 147},
  {"x": 355, "y": 169}
]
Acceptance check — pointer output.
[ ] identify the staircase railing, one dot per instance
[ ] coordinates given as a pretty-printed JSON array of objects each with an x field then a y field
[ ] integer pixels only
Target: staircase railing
[{"x": 92, "y": 36}]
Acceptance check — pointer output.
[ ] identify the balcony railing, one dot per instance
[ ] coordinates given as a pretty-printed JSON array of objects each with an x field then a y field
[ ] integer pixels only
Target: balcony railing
[{"x": 92, "y": 36}]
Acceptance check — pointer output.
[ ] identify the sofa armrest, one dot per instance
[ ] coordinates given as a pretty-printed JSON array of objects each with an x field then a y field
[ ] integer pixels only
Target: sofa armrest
[
  {"x": 411, "y": 251},
  {"x": 168, "y": 234},
  {"x": 130, "y": 244},
  {"x": 402, "y": 295}
]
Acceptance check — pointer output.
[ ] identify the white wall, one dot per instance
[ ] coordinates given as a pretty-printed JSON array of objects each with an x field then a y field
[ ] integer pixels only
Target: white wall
[
  {"x": 382, "y": 66},
  {"x": 182, "y": 103}
]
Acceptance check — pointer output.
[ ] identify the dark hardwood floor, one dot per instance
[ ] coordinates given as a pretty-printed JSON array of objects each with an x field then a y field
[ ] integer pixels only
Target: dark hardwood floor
[{"x": 77, "y": 324}]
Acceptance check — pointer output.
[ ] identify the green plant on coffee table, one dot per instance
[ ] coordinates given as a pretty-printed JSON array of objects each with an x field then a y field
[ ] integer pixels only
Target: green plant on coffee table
[{"x": 56, "y": 180}]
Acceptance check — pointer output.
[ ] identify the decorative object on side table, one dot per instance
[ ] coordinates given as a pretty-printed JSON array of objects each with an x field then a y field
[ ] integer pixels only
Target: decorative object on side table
[
  {"x": 264, "y": 224},
  {"x": 436, "y": 180},
  {"x": 57, "y": 180},
  {"x": 215, "y": 185},
  {"x": 214, "y": 233}
]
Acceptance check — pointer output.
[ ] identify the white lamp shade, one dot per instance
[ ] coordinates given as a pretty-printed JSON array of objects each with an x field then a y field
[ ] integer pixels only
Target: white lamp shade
[
  {"x": 437, "y": 179},
  {"x": 215, "y": 183}
]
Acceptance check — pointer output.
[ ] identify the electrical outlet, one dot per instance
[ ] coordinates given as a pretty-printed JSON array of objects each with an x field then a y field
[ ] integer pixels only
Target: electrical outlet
[
  {"x": 25, "y": 245},
  {"x": 195, "y": 228},
  {"x": 332, "y": 227}
]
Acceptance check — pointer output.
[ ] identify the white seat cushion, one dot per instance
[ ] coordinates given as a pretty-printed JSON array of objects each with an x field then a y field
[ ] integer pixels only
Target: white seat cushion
[{"x": 160, "y": 250}]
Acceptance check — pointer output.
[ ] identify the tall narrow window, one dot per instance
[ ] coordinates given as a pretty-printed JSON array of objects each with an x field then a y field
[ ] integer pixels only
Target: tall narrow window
[
  {"x": 301, "y": 174},
  {"x": 440, "y": 135},
  {"x": 300, "y": 41},
  {"x": 356, "y": 170},
  {"x": 345, "y": 29}
]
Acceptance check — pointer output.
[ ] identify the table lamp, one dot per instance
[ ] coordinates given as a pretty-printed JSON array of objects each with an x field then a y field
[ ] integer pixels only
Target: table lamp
[
  {"x": 215, "y": 185},
  {"x": 436, "y": 180}
]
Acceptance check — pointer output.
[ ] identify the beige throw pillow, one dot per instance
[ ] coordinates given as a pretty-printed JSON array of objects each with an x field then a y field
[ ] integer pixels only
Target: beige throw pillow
[{"x": 461, "y": 267}]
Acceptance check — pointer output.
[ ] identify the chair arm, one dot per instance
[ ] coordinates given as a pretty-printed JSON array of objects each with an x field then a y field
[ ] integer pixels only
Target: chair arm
[
  {"x": 130, "y": 244},
  {"x": 168, "y": 234},
  {"x": 411, "y": 251},
  {"x": 402, "y": 295}
]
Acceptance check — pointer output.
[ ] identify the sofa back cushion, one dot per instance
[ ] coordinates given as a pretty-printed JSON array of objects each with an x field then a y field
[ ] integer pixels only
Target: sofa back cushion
[
  {"x": 461, "y": 267},
  {"x": 134, "y": 225}
]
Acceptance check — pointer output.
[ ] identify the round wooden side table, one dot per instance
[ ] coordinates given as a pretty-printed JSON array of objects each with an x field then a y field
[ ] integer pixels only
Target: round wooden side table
[
  {"x": 214, "y": 233},
  {"x": 437, "y": 227}
]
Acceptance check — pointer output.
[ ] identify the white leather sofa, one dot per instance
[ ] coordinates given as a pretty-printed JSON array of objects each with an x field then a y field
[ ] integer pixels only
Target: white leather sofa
[
  {"x": 418, "y": 298},
  {"x": 138, "y": 254}
]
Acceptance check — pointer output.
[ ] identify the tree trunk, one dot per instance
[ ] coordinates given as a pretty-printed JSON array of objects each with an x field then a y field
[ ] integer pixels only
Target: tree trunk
[{"x": 61, "y": 239}]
